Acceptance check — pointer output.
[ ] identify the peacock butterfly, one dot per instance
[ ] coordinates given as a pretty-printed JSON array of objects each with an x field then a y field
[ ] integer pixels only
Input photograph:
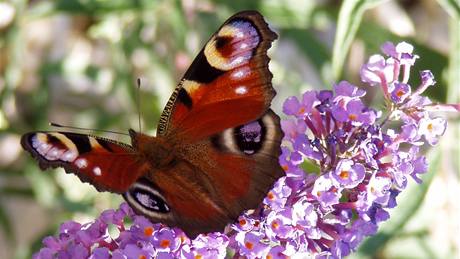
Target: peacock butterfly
[{"x": 217, "y": 145}]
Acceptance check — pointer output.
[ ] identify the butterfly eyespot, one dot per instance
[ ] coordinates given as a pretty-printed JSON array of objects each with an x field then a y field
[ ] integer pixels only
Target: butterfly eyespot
[
  {"x": 143, "y": 197},
  {"x": 150, "y": 201},
  {"x": 249, "y": 137},
  {"x": 227, "y": 50},
  {"x": 222, "y": 41}
]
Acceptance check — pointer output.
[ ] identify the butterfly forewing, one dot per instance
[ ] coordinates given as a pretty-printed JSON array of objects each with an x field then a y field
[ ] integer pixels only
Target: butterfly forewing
[
  {"x": 228, "y": 83},
  {"x": 108, "y": 165}
]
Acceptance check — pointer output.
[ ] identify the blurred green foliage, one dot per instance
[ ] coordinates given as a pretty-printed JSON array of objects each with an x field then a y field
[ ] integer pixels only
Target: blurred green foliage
[{"x": 76, "y": 62}]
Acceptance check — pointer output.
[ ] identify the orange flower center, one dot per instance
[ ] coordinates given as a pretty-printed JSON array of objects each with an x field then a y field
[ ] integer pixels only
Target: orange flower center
[
  {"x": 242, "y": 222},
  {"x": 249, "y": 245},
  {"x": 164, "y": 243},
  {"x": 352, "y": 117},
  {"x": 275, "y": 225},
  {"x": 301, "y": 110},
  {"x": 142, "y": 257},
  {"x": 400, "y": 93},
  {"x": 270, "y": 196},
  {"x": 198, "y": 256},
  {"x": 430, "y": 127},
  {"x": 148, "y": 231},
  {"x": 344, "y": 174}
]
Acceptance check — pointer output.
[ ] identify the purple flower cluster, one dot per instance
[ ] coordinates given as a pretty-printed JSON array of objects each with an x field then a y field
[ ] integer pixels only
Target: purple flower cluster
[
  {"x": 345, "y": 165},
  {"x": 141, "y": 240}
]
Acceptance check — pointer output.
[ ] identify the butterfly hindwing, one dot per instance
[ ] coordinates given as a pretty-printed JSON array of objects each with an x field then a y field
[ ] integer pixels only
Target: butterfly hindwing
[
  {"x": 228, "y": 83},
  {"x": 204, "y": 195},
  {"x": 106, "y": 164}
]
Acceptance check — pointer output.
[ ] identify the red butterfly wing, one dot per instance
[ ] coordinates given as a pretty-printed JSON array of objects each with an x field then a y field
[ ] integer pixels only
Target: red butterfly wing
[
  {"x": 106, "y": 164},
  {"x": 228, "y": 84}
]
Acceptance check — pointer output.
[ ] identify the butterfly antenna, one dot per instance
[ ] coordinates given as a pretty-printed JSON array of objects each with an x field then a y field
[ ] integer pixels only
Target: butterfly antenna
[
  {"x": 139, "y": 102},
  {"x": 52, "y": 124}
]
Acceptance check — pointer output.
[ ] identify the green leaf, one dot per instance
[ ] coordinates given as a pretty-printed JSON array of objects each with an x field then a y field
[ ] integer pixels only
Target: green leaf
[
  {"x": 453, "y": 82},
  {"x": 453, "y": 79},
  {"x": 350, "y": 16},
  {"x": 100, "y": 6},
  {"x": 452, "y": 7},
  {"x": 405, "y": 210},
  {"x": 5, "y": 224},
  {"x": 309, "y": 167},
  {"x": 310, "y": 46},
  {"x": 288, "y": 13},
  {"x": 16, "y": 191}
]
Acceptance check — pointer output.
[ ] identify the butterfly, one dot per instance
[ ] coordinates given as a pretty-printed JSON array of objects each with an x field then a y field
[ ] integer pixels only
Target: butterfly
[{"x": 216, "y": 150}]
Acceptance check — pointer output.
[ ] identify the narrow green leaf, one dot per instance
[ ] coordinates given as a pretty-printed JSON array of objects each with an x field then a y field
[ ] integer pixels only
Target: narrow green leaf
[
  {"x": 452, "y": 7},
  {"x": 288, "y": 13},
  {"x": 309, "y": 45},
  {"x": 453, "y": 82},
  {"x": 15, "y": 191},
  {"x": 454, "y": 61},
  {"x": 5, "y": 224},
  {"x": 100, "y": 6},
  {"x": 350, "y": 16}
]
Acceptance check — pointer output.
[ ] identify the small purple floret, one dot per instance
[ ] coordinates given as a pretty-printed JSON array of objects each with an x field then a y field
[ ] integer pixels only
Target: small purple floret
[{"x": 348, "y": 173}]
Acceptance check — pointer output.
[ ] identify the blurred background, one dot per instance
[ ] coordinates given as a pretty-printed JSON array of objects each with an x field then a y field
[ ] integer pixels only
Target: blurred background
[{"x": 75, "y": 62}]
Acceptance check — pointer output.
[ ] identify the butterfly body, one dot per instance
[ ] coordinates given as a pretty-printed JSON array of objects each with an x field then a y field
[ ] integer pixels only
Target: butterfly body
[
  {"x": 157, "y": 151},
  {"x": 217, "y": 144}
]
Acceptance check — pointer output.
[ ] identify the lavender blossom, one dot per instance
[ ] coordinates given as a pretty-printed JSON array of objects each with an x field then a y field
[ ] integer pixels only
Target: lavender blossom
[{"x": 362, "y": 165}]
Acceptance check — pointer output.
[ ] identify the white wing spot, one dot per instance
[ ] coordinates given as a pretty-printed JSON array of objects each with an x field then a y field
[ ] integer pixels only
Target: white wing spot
[
  {"x": 35, "y": 142},
  {"x": 238, "y": 74},
  {"x": 43, "y": 148},
  {"x": 54, "y": 153},
  {"x": 69, "y": 156},
  {"x": 97, "y": 171},
  {"x": 81, "y": 163},
  {"x": 241, "y": 90},
  {"x": 238, "y": 61}
]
